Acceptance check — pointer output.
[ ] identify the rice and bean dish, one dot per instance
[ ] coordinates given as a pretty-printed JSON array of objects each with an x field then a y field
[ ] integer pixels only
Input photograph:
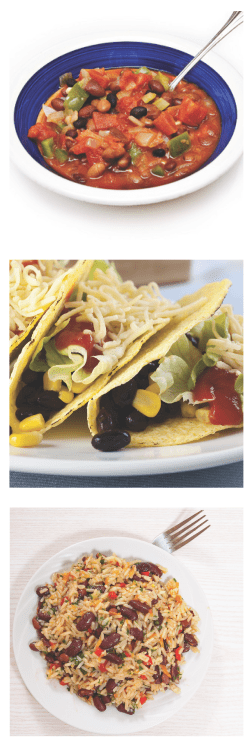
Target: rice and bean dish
[{"x": 112, "y": 632}]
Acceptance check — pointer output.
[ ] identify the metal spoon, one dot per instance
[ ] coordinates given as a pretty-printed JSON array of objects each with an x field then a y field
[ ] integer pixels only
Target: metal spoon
[{"x": 235, "y": 20}]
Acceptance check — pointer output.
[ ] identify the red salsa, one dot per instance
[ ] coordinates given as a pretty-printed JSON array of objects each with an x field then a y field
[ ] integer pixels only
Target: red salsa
[
  {"x": 218, "y": 385},
  {"x": 73, "y": 335},
  {"x": 124, "y": 129}
]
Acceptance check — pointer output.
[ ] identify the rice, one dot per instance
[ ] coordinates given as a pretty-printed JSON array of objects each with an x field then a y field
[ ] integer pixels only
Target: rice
[{"x": 103, "y": 652}]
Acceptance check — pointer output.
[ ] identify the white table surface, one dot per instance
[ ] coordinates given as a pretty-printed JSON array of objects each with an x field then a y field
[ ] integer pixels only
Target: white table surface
[
  {"x": 214, "y": 558},
  {"x": 188, "y": 227}
]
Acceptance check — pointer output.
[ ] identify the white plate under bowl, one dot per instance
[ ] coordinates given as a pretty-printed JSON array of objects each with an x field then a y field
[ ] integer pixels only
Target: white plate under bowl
[
  {"x": 100, "y": 196},
  {"x": 67, "y": 450},
  {"x": 69, "y": 708}
]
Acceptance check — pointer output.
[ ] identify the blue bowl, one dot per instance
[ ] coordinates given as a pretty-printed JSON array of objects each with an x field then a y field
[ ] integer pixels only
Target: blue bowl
[{"x": 118, "y": 54}]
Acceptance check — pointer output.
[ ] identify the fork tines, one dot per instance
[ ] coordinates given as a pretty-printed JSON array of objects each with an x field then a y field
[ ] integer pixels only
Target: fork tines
[{"x": 179, "y": 536}]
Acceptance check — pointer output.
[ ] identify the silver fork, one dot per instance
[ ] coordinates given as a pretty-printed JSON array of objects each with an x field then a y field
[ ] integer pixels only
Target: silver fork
[
  {"x": 235, "y": 20},
  {"x": 176, "y": 537}
]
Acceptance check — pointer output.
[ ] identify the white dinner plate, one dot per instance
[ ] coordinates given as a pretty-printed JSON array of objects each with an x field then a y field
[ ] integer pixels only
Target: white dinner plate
[
  {"x": 69, "y": 708},
  {"x": 67, "y": 450}
]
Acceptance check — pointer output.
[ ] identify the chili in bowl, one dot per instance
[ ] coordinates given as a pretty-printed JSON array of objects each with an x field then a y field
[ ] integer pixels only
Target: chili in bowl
[{"x": 112, "y": 128}]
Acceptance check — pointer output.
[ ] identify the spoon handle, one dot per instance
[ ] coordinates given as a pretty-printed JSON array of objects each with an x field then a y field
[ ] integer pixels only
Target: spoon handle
[{"x": 235, "y": 20}]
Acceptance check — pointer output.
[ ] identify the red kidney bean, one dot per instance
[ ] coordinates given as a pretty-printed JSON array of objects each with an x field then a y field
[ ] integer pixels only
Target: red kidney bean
[
  {"x": 133, "y": 644},
  {"x": 110, "y": 641},
  {"x": 85, "y": 692},
  {"x": 42, "y": 591},
  {"x": 111, "y": 441},
  {"x": 44, "y": 616},
  {"x": 143, "y": 566},
  {"x": 169, "y": 166},
  {"x": 176, "y": 101},
  {"x": 95, "y": 89},
  {"x": 114, "y": 86},
  {"x": 81, "y": 593},
  {"x": 156, "y": 86},
  {"x": 174, "y": 672},
  {"x": 124, "y": 394},
  {"x": 121, "y": 136},
  {"x": 168, "y": 96},
  {"x": 128, "y": 612},
  {"x": 99, "y": 704},
  {"x": 63, "y": 658},
  {"x": 160, "y": 617},
  {"x": 86, "y": 112},
  {"x": 50, "y": 657},
  {"x": 157, "y": 675},
  {"x": 121, "y": 708},
  {"x": 152, "y": 111},
  {"x": 113, "y": 658},
  {"x": 135, "y": 578},
  {"x": 166, "y": 646},
  {"x": 186, "y": 648},
  {"x": 155, "y": 601},
  {"x": 33, "y": 647},
  {"x": 165, "y": 679},
  {"x": 186, "y": 623},
  {"x": 106, "y": 699},
  {"x": 136, "y": 633},
  {"x": 45, "y": 642},
  {"x": 75, "y": 647},
  {"x": 71, "y": 133},
  {"x": 110, "y": 686},
  {"x": 97, "y": 632},
  {"x": 36, "y": 624},
  {"x": 164, "y": 660},
  {"x": 190, "y": 639},
  {"x": 140, "y": 606},
  {"x": 57, "y": 103},
  {"x": 100, "y": 587},
  {"x": 86, "y": 621}
]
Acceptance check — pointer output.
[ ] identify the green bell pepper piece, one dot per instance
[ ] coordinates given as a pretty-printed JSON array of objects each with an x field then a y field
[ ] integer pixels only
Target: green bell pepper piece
[
  {"x": 47, "y": 147},
  {"x": 179, "y": 144},
  {"x": 76, "y": 98},
  {"x": 163, "y": 79},
  {"x": 143, "y": 70},
  {"x": 158, "y": 170},
  {"x": 61, "y": 155},
  {"x": 134, "y": 152}
]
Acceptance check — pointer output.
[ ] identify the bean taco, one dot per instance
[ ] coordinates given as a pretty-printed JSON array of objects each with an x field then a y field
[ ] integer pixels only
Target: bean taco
[
  {"x": 97, "y": 325},
  {"x": 185, "y": 384}
]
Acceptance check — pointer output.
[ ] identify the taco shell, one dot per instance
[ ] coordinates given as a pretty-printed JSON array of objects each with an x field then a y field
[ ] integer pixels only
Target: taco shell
[{"x": 174, "y": 431}]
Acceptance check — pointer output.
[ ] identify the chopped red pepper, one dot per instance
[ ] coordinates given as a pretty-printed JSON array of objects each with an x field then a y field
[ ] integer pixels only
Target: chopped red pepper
[
  {"x": 143, "y": 699},
  {"x": 177, "y": 654},
  {"x": 41, "y": 131},
  {"x": 62, "y": 681},
  {"x": 149, "y": 661},
  {"x": 112, "y": 595},
  {"x": 165, "y": 123},
  {"x": 145, "y": 573},
  {"x": 127, "y": 654},
  {"x": 103, "y": 666},
  {"x": 122, "y": 584},
  {"x": 103, "y": 121},
  {"x": 99, "y": 651},
  {"x": 143, "y": 677}
]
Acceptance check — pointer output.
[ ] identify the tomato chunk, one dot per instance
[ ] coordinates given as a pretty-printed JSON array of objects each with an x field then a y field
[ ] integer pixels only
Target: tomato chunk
[
  {"x": 41, "y": 131},
  {"x": 166, "y": 124},
  {"x": 191, "y": 112},
  {"x": 103, "y": 122}
]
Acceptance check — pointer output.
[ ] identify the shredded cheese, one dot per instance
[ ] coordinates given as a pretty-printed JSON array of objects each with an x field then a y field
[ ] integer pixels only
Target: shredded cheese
[{"x": 32, "y": 289}]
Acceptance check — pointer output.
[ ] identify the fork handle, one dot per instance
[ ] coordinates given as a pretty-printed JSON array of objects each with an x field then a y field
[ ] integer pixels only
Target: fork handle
[{"x": 235, "y": 20}]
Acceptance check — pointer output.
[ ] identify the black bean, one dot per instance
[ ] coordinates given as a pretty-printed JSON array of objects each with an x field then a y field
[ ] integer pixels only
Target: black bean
[
  {"x": 107, "y": 403},
  {"x": 98, "y": 703},
  {"x": 138, "y": 112},
  {"x": 80, "y": 123},
  {"x": 111, "y": 441},
  {"x": 49, "y": 398},
  {"x": 27, "y": 395},
  {"x": 42, "y": 591},
  {"x": 113, "y": 658},
  {"x": 140, "y": 606},
  {"x": 74, "y": 648},
  {"x": 137, "y": 634},
  {"x": 111, "y": 97},
  {"x": 142, "y": 376},
  {"x": 106, "y": 420},
  {"x": 124, "y": 394},
  {"x": 29, "y": 377},
  {"x": 110, "y": 686},
  {"x": 135, "y": 421},
  {"x": 158, "y": 152},
  {"x": 110, "y": 641},
  {"x": 71, "y": 133},
  {"x": 190, "y": 639},
  {"x": 128, "y": 612},
  {"x": 86, "y": 621},
  {"x": 121, "y": 708},
  {"x": 162, "y": 415},
  {"x": 27, "y": 410},
  {"x": 194, "y": 339},
  {"x": 67, "y": 79}
]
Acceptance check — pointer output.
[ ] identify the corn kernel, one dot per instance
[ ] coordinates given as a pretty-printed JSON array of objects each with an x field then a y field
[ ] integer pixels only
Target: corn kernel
[
  {"x": 48, "y": 384},
  {"x": 78, "y": 387},
  {"x": 148, "y": 403},
  {"x": 202, "y": 413},
  {"x": 33, "y": 423},
  {"x": 153, "y": 387},
  {"x": 66, "y": 396},
  {"x": 187, "y": 410},
  {"x": 23, "y": 440}
]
